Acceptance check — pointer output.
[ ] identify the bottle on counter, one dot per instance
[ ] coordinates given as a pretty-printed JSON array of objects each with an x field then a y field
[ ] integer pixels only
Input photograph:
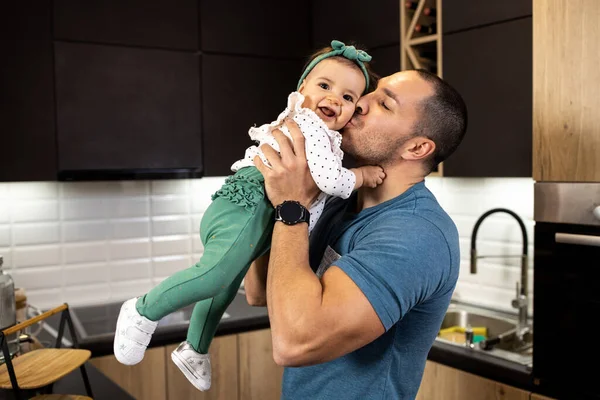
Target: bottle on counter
[{"x": 8, "y": 312}]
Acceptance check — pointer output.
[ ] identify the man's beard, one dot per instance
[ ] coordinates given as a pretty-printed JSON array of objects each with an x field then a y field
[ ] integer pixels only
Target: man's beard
[{"x": 372, "y": 149}]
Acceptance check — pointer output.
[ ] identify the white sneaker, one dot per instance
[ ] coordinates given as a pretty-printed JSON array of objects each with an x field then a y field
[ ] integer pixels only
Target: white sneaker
[
  {"x": 132, "y": 335},
  {"x": 195, "y": 366}
]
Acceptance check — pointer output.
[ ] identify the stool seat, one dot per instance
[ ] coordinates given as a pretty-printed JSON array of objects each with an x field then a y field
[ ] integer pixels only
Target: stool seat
[{"x": 39, "y": 368}]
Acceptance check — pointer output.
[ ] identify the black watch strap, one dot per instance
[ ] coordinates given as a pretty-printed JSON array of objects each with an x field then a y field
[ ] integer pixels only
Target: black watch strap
[{"x": 291, "y": 212}]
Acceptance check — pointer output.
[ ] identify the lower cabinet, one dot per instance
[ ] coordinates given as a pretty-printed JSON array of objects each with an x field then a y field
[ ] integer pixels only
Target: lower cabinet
[
  {"x": 444, "y": 383},
  {"x": 242, "y": 368},
  {"x": 144, "y": 381}
]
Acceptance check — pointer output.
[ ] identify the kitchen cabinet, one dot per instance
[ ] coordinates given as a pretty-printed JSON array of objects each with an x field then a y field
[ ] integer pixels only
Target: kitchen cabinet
[
  {"x": 240, "y": 92},
  {"x": 444, "y": 383},
  {"x": 122, "y": 108},
  {"x": 535, "y": 396},
  {"x": 260, "y": 377},
  {"x": 270, "y": 28},
  {"x": 242, "y": 368},
  {"x": 169, "y": 24},
  {"x": 224, "y": 363},
  {"x": 566, "y": 106},
  {"x": 27, "y": 93},
  {"x": 373, "y": 25},
  {"x": 491, "y": 68},
  {"x": 465, "y": 14},
  {"x": 144, "y": 381},
  {"x": 386, "y": 60}
]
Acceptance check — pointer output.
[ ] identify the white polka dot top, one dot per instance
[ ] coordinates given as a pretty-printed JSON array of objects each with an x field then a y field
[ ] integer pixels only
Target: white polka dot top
[{"x": 322, "y": 145}]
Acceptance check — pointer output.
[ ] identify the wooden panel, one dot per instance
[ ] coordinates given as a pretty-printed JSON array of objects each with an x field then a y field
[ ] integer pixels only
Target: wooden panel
[
  {"x": 444, "y": 383},
  {"x": 465, "y": 14},
  {"x": 224, "y": 362},
  {"x": 144, "y": 381},
  {"x": 566, "y": 105},
  {"x": 260, "y": 377},
  {"x": 127, "y": 108},
  {"x": 535, "y": 396},
  {"x": 372, "y": 24},
  {"x": 491, "y": 69},
  {"x": 27, "y": 124},
  {"x": 267, "y": 28},
  {"x": 160, "y": 23},
  {"x": 240, "y": 92},
  {"x": 386, "y": 60}
]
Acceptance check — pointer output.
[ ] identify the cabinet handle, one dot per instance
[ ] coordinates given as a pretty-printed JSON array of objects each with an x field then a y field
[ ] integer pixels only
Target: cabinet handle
[{"x": 583, "y": 240}]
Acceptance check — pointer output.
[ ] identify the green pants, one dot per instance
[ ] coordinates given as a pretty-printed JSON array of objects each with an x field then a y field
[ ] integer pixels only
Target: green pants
[{"x": 235, "y": 230}]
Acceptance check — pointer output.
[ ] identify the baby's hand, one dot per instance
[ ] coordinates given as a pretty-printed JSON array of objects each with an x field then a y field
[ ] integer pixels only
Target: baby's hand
[{"x": 369, "y": 176}]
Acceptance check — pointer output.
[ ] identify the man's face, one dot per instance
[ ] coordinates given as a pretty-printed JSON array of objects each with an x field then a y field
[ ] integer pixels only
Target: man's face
[{"x": 384, "y": 120}]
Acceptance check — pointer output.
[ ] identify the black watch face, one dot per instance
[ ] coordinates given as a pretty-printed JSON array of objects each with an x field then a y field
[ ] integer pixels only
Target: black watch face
[{"x": 291, "y": 212}]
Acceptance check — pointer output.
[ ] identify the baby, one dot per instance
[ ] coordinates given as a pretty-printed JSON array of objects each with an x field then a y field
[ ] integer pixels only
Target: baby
[{"x": 236, "y": 228}]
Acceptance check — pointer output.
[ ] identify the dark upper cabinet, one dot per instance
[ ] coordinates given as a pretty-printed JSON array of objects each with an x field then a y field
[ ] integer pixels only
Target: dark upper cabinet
[
  {"x": 386, "y": 60},
  {"x": 465, "y": 14},
  {"x": 492, "y": 68},
  {"x": 265, "y": 28},
  {"x": 372, "y": 24},
  {"x": 122, "y": 108},
  {"x": 170, "y": 24},
  {"x": 27, "y": 93},
  {"x": 237, "y": 93}
]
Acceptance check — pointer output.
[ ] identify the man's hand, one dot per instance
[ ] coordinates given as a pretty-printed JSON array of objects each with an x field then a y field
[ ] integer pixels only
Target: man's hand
[{"x": 289, "y": 178}]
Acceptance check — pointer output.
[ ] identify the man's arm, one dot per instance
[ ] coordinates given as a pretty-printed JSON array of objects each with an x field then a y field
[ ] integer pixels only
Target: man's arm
[
  {"x": 255, "y": 282},
  {"x": 312, "y": 320}
]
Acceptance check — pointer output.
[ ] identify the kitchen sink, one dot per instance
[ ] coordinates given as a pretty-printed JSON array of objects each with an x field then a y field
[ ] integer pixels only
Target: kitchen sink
[{"x": 497, "y": 324}]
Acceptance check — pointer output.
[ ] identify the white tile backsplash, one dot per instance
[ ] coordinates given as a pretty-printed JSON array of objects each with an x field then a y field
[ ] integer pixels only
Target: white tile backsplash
[{"x": 92, "y": 242}]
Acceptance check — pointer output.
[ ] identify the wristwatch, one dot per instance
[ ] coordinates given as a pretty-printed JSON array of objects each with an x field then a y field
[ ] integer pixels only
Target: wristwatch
[{"x": 291, "y": 212}]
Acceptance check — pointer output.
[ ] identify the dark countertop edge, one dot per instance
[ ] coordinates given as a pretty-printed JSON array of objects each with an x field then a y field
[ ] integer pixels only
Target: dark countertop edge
[
  {"x": 485, "y": 366},
  {"x": 102, "y": 345}
]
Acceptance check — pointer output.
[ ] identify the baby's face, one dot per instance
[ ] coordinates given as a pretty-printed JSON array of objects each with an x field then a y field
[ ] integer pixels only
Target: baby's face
[{"x": 331, "y": 90}]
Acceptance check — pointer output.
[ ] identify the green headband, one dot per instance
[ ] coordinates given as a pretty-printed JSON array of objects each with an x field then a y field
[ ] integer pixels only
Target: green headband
[{"x": 341, "y": 50}]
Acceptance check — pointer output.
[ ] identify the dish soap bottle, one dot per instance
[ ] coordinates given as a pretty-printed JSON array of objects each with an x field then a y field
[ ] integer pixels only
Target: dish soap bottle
[{"x": 8, "y": 310}]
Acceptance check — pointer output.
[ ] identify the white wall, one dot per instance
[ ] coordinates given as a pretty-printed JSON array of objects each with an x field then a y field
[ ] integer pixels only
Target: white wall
[{"x": 92, "y": 242}]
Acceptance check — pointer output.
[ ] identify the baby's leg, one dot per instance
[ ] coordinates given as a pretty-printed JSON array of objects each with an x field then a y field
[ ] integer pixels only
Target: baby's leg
[
  {"x": 207, "y": 315},
  {"x": 233, "y": 237}
]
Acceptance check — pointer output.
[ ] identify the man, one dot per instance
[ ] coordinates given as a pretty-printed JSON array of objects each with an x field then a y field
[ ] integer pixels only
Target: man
[{"x": 387, "y": 259}]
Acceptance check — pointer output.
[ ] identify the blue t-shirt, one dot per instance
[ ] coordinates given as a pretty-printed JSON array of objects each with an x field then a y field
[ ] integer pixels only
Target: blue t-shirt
[{"x": 404, "y": 256}]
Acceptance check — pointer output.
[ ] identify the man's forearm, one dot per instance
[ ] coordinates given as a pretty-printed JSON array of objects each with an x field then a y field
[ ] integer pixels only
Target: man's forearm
[{"x": 294, "y": 292}]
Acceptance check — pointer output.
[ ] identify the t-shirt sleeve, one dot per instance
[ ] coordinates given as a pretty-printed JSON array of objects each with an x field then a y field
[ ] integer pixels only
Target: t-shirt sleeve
[{"x": 397, "y": 265}]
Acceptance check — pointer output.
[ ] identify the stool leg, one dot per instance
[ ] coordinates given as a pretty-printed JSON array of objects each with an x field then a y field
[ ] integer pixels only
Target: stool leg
[{"x": 86, "y": 381}]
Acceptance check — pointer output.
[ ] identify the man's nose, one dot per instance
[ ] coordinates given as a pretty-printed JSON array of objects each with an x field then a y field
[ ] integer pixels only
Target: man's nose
[{"x": 362, "y": 106}]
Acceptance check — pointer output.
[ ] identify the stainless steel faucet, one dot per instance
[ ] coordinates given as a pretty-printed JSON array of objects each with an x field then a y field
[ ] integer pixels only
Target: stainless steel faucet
[{"x": 520, "y": 301}]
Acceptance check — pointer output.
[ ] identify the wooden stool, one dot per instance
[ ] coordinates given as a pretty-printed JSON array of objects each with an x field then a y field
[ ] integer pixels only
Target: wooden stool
[{"x": 40, "y": 368}]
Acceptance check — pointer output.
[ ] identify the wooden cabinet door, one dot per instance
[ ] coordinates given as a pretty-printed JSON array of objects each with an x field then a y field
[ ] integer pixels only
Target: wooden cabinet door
[
  {"x": 464, "y": 14},
  {"x": 169, "y": 24},
  {"x": 260, "y": 377},
  {"x": 491, "y": 68},
  {"x": 27, "y": 124},
  {"x": 444, "y": 383},
  {"x": 144, "y": 381},
  {"x": 124, "y": 108},
  {"x": 224, "y": 362},
  {"x": 566, "y": 105}
]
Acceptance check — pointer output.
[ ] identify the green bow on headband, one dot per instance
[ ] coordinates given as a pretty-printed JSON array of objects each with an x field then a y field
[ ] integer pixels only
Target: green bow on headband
[{"x": 341, "y": 50}]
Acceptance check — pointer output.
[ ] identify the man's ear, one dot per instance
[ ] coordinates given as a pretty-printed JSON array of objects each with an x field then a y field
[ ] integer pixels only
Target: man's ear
[{"x": 418, "y": 148}]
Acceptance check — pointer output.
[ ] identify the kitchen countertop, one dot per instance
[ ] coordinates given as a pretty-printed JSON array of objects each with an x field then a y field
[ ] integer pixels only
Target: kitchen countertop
[{"x": 95, "y": 328}]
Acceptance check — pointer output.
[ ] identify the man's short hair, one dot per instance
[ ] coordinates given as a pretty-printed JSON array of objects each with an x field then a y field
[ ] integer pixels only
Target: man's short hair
[{"x": 443, "y": 118}]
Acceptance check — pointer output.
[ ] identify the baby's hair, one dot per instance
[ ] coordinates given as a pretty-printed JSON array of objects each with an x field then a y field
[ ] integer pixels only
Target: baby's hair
[{"x": 373, "y": 77}]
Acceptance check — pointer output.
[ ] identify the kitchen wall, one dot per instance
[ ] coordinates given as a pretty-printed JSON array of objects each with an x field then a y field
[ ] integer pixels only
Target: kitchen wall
[{"x": 93, "y": 242}]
